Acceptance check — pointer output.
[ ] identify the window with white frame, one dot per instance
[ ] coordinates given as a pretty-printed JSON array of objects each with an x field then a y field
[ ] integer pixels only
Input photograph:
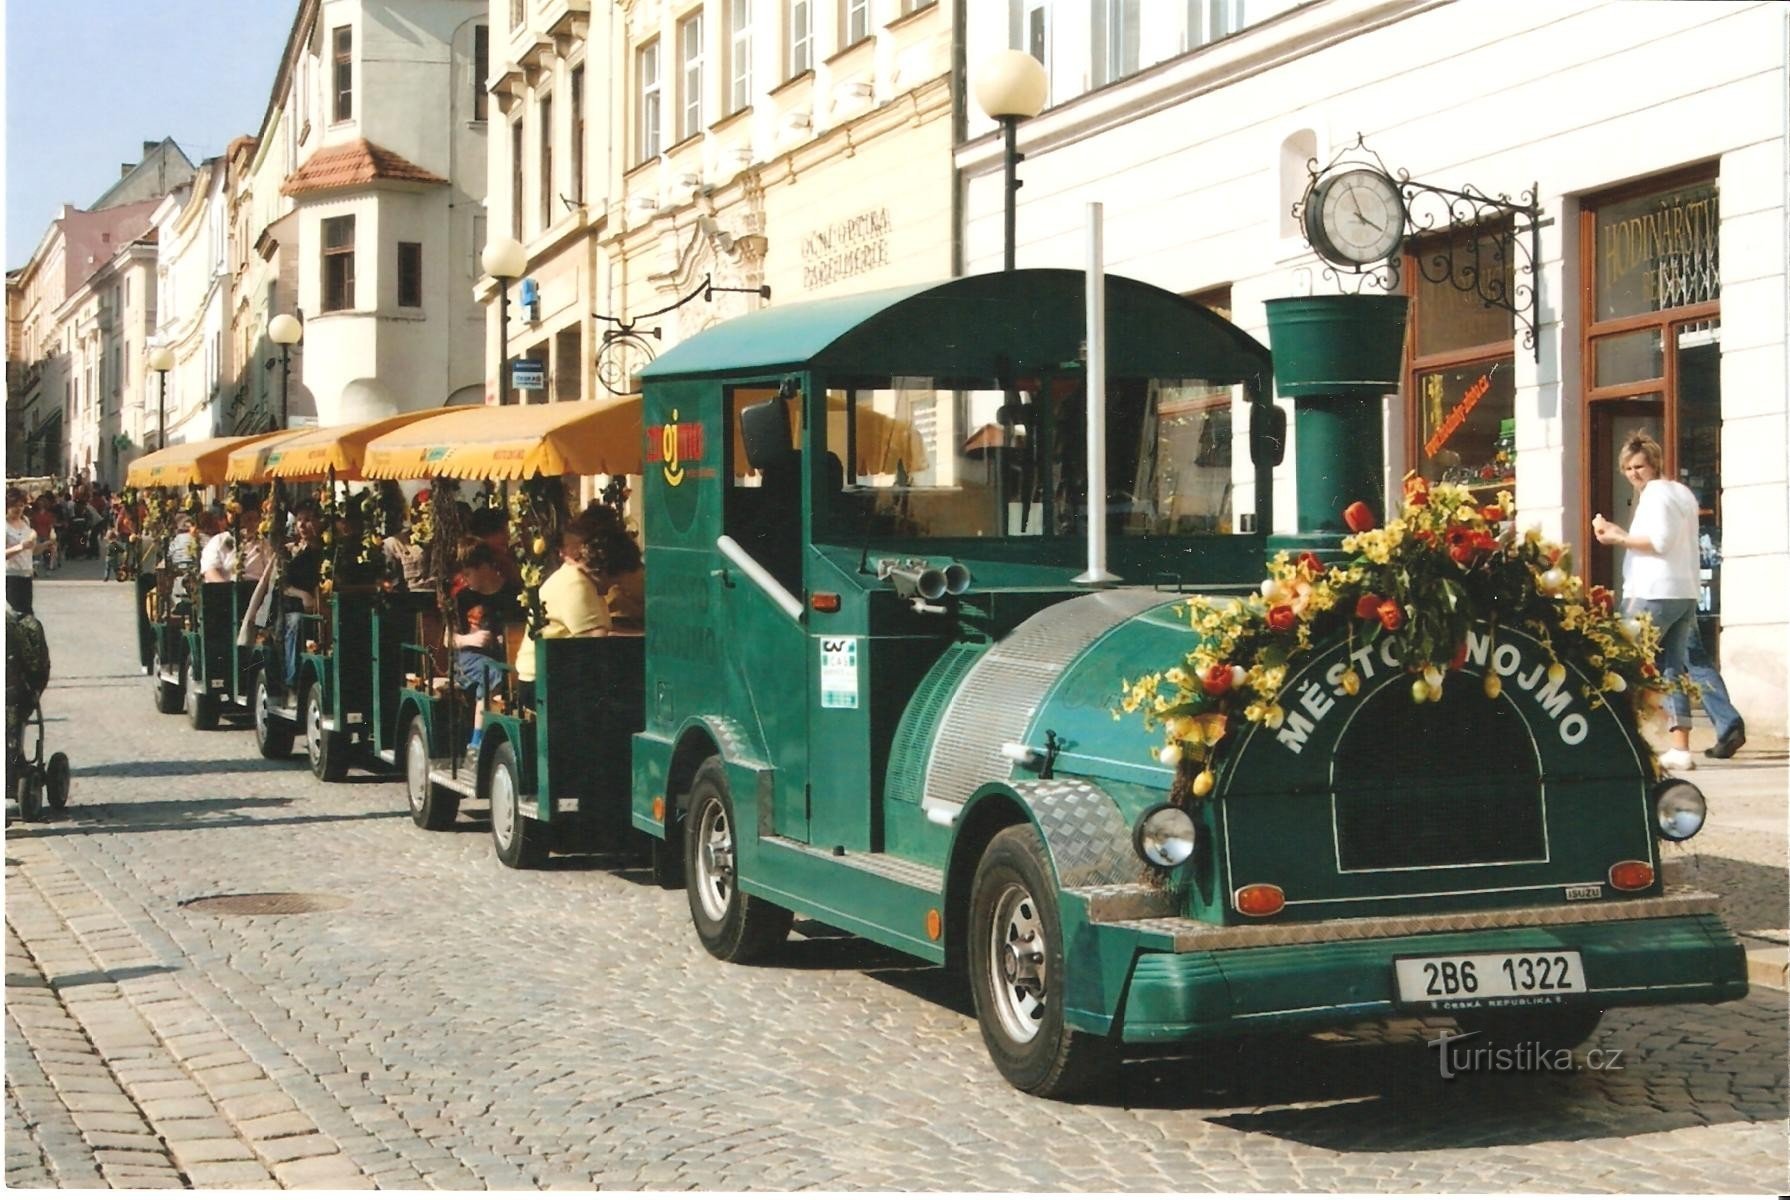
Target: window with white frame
[
  {"x": 1210, "y": 20},
  {"x": 690, "y": 76},
  {"x": 1029, "y": 28},
  {"x": 739, "y": 54},
  {"x": 1117, "y": 37},
  {"x": 544, "y": 176},
  {"x": 854, "y": 22},
  {"x": 648, "y": 100},
  {"x": 577, "y": 115},
  {"x": 338, "y": 263},
  {"x": 914, "y": 6},
  {"x": 798, "y": 39}
]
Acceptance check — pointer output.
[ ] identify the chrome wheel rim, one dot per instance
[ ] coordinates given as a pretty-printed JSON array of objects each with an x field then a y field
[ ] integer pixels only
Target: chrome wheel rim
[
  {"x": 261, "y": 709},
  {"x": 416, "y": 769},
  {"x": 313, "y": 726},
  {"x": 503, "y": 807},
  {"x": 714, "y": 861},
  {"x": 1017, "y": 957}
]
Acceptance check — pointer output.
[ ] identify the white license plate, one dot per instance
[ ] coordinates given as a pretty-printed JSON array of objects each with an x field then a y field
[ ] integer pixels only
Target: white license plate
[{"x": 1490, "y": 976}]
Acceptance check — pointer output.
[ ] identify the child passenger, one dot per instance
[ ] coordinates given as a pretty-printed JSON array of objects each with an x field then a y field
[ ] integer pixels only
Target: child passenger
[{"x": 481, "y": 609}]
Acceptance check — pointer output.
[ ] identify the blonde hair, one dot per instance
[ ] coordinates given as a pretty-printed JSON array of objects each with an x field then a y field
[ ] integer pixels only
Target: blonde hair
[{"x": 1641, "y": 442}]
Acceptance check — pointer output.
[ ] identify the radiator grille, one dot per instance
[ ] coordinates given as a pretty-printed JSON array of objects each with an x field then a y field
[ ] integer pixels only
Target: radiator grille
[{"x": 1414, "y": 788}]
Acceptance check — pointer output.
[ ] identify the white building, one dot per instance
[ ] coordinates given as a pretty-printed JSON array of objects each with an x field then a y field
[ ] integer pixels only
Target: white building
[
  {"x": 1653, "y": 136},
  {"x": 193, "y": 290}
]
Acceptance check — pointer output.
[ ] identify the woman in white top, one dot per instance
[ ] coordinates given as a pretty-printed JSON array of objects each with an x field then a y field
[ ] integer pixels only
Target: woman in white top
[
  {"x": 21, "y": 548},
  {"x": 1659, "y": 574}
]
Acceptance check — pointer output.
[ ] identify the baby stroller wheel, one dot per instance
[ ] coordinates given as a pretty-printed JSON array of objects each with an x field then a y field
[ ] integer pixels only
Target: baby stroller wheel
[
  {"x": 29, "y": 793},
  {"x": 56, "y": 781}
]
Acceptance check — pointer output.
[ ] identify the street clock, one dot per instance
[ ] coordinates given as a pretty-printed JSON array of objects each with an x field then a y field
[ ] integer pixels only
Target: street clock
[{"x": 1355, "y": 217}]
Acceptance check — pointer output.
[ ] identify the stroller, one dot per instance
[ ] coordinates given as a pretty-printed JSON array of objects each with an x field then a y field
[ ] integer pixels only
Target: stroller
[{"x": 30, "y": 779}]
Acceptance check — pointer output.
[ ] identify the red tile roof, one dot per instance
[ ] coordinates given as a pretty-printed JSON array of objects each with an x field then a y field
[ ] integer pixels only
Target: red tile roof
[{"x": 354, "y": 164}]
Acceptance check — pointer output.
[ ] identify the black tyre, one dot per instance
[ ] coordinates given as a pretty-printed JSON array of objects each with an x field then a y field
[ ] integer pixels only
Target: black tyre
[
  {"x": 521, "y": 841},
  {"x": 327, "y": 751},
  {"x": 201, "y": 706},
  {"x": 431, "y": 805},
  {"x": 29, "y": 793},
  {"x": 1017, "y": 972},
  {"x": 1549, "y": 1028},
  {"x": 273, "y": 735},
  {"x": 733, "y": 926},
  {"x": 667, "y": 860},
  {"x": 169, "y": 697},
  {"x": 56, "y": 781}
]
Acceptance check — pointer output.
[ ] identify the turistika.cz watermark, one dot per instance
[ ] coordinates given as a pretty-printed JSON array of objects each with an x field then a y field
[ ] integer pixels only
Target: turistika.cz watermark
[{"x": 1457, "y": 1057}]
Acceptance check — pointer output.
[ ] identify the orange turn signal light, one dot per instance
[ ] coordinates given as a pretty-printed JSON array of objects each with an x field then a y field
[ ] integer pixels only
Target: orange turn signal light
[
  {"x": 935, "y": 924},
  {"x": 1631, "y": 876},
  {"x": 659, "y": 808},
  {"x": 1258, "y": 899},
  {"x": 824, "y": 601}
]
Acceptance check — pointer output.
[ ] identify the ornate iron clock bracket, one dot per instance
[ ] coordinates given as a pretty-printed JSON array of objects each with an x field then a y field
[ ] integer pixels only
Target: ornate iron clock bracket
[
  {"x": 1490, "y": 247},
  {"x": 625, "y": 348}
]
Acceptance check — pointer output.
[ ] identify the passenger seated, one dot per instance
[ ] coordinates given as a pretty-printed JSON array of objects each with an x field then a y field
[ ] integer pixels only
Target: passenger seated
[
  {"x": 481, "y": 609},
  {"x": 572, "y": 597},
  {"x": 615, "y": 562}
]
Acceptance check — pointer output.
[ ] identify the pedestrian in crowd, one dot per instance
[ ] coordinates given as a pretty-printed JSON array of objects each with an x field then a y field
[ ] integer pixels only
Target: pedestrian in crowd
[
  {"x": 571, "y": 597},
  {"x": 43, "y": 521},
  {"x": 1659, "y": 578},
  {"x": 492, "y": 526},
  {"x": 304, "y": 573},
  {"x": 21, "y": 553},
  {"x": 481, "y": 610}
]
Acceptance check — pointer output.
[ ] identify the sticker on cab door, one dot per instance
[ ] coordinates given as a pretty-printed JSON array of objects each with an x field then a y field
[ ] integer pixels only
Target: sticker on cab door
[{"x": 839, "y": 672}]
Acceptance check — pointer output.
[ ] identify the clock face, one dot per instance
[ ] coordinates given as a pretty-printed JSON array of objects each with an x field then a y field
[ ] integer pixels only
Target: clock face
[{"x": 1356, "y": 217}]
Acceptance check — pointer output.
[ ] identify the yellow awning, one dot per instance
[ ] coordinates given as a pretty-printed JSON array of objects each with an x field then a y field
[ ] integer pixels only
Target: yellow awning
[
  {"x": 312, "y": 453},
  {"x": 189, "y": 463},
  {"x": 248, "y": 463},
  {"x": 579, "y": 437}
]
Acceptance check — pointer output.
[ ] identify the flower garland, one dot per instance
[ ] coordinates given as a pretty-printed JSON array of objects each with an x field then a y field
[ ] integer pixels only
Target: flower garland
[{"x": 1420, "y": 582}]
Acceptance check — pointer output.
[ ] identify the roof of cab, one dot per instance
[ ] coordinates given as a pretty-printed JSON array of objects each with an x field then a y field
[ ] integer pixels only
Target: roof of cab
[{"x": 1034, "y": 319}]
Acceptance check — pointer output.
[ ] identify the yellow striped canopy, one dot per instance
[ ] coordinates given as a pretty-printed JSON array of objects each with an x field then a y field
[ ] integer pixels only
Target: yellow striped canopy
[
  {"x": 248, "y": 463},
  {"x": 188, "y": 464},
  {"x": 311, "y": 454},
  {"x": 579, "y": 437}
]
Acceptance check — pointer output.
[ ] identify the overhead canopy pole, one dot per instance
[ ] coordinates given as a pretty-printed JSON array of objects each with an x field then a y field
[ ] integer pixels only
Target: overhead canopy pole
[{"x": 1096, "y": 439}]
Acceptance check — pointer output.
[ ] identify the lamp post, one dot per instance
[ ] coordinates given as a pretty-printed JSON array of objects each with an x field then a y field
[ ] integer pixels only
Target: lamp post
[
  {"x": 1011, "y": 87},
  {"x": 161, "y": 360},
  {"x": 285, "y": 332},
  {"x": 504, "y": 260}
]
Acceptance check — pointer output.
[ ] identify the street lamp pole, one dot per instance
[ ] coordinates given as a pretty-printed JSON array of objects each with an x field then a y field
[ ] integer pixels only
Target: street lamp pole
[
  {"x": 285, "y": 332},
  {"x": 504, "y": 259},
  {"x": 1011, "y": 87},
  {"x": 161, "y": 359}
]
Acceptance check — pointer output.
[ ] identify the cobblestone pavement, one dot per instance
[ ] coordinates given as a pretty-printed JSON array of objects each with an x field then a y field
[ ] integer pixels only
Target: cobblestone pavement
[{"x": 456, "y": 1025}]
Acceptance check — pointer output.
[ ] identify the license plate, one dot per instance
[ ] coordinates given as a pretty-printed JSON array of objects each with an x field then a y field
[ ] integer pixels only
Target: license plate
[{"x": 1489, "y": 976}]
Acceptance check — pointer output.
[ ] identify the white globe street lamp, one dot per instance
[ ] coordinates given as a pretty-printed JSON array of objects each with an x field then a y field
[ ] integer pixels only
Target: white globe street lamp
[
  {"x": 285, "y": 331},
  {"x": 161, "y": 361},
  {"x": 1011, "y": 87}
]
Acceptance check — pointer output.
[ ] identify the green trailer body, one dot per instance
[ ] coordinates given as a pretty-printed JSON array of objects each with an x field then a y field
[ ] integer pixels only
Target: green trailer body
[{"x": 949, "y": 779}]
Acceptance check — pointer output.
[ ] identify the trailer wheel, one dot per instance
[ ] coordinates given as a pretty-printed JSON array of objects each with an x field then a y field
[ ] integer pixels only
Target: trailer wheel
[
  {"x": 28, "y": 791},
  {"x": 201, "y": 707},
  {"x": 1551, "y": 1029},
  {"x": 431, "y": 805},
  {"x": 273, "y": 737},
  {"x": 168, "y": 696},
  {"x": 327, "y": 751},
  {"x": 733, "y": 926},
  {"x": 1017, "y": 971},
  {"x": 520, "y": 841},
  {"x": 56, "y": 781}
]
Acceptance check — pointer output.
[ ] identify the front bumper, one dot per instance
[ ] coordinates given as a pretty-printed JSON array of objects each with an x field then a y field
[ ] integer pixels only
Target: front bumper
[{"x": 1172, "y": 997}]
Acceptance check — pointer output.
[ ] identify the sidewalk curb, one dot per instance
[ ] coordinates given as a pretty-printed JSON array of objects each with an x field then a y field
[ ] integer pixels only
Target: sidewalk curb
[{"x": 1767, "y": 964}]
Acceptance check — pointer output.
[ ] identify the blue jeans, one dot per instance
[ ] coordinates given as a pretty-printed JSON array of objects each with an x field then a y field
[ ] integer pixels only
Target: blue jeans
[
  {"x": 479, "y": 674},
  {"x": 1677, "y": 622},
  {"x": 1722, "y": 713},
  {"x": 294, "y": 622}
]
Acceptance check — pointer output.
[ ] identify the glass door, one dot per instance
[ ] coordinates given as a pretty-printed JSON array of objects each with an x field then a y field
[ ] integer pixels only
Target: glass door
[{"x": 1697, "y": 357}]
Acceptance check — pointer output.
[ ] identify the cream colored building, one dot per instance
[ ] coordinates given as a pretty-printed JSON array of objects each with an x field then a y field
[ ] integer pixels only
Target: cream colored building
[{"x": 193, "y": 286}]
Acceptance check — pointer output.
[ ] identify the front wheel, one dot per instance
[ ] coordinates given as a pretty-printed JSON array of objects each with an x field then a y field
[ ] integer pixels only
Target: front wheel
[
  {"x": 733, "y": 926},
  {"x": 273, "y": 736},
  {"x": 327, "y": 751},
  {"x": 56, "y": 781},
  {"x": 520, "y": 841},
  {"x": 431, "y": 806},
  {"x": 1017, "y": 971}
]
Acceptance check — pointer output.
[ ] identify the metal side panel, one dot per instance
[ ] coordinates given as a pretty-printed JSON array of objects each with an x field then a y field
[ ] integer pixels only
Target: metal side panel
[
  {"x": 1088, "y": 840},
  {"x": 1002, "y": 691}
]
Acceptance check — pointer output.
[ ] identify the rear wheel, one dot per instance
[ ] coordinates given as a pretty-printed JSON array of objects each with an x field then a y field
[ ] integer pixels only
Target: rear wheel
[
  {"x": 56, "y": 781},
  {"x": 273, "y": 736},
  {"x": 733, "y": 926},
  {"x": 521, "y": 841},
  {"x": 431, "y": 805},
  {"x": 168, "y": 696},
  {"x": 328, "y": 751},
  {"x": 1017, "y": 971}
]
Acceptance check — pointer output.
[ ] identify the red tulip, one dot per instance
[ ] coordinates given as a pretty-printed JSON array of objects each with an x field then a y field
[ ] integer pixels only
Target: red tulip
[
  {"x": 1460, "y": 657},
  {"x": 1217, "y": 679},
  {"x": 1368, "y": 607},
  {"x": 1417, "y": 491},
  {"x": 1492, "y": 512},
  {"x": 1312, "y": 563},
  {"x": 1391, "y": 615},
  {"x": 1281, "y": 618},
  {"x": 1358, "y": 517}
]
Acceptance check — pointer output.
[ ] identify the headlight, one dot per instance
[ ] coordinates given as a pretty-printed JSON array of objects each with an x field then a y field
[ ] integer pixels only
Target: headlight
[
  {"x": 1165, "y": 836},
  {"x": 1679, "y": 809}
]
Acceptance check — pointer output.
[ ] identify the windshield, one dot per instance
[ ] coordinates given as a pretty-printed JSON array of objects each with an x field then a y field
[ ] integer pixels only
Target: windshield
[{"x": 931, "y": 461}]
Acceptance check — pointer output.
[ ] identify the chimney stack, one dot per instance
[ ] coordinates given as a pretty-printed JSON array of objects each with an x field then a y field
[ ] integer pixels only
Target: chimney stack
[
  {"x": 149, "y": 148},
  {"x": 125, "y": 169}
]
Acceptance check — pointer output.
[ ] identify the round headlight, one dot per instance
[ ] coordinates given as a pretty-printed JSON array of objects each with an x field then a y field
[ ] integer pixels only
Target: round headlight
[
  {"x": 1165, "y": 836},
  {"x": 1679, "y": 809}
]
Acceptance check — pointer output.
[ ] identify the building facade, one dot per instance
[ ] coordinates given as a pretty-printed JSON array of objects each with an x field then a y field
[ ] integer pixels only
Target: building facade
[{"x": 1651, "y": 140}]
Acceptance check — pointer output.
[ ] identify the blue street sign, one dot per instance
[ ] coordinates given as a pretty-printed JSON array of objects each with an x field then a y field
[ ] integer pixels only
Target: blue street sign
[{"x": 528, "y": 374}]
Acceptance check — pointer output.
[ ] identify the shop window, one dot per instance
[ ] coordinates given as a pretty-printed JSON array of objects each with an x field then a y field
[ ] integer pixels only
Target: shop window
[
  {"x": 338, "y": 264},
  {"x": 1462, "y": 382}
]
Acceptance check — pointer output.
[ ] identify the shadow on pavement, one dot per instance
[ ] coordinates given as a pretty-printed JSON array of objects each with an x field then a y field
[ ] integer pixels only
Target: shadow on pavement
[
  {"x": 1753, "y": 895},
  {"x": 160, "y": 816},
  {"x": 82, "y": 978},
  {"x": 188, "y": 767}
]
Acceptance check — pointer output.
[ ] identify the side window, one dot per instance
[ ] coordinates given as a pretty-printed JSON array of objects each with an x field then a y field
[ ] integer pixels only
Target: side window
[{"x": 762, "y": 509}]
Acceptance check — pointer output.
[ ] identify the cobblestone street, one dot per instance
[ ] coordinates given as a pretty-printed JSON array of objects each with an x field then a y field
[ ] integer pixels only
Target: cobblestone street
[{"x": 448, "y": 1023}]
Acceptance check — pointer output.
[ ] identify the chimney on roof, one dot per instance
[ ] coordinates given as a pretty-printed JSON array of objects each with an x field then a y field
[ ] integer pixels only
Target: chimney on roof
[
  {"x": 125, "y": 169},
  {"x": 149, "y": 148}
]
